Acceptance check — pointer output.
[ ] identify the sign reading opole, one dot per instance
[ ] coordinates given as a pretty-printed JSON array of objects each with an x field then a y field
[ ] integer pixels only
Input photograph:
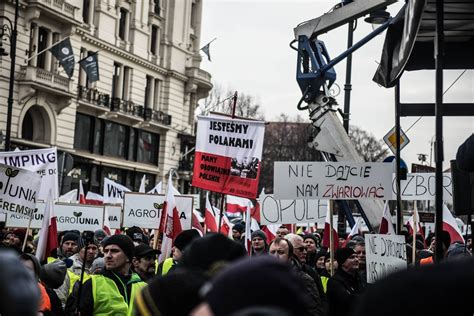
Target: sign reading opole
[
  {"x": 332, "y": 180},
  {"x": 144, "y": 210},
  {"x": 385, "y": 254}
]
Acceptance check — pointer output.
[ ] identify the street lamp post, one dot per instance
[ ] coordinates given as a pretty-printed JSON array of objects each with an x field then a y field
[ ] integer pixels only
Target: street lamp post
[{"x": 10, "y": 31}]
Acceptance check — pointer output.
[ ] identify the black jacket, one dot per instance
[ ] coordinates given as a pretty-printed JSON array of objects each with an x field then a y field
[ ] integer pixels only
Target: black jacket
[{"x": 342, "y": 291}]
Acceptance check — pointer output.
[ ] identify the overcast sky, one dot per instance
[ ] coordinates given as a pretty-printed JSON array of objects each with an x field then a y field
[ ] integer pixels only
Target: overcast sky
[{"x": 251, "y": 55}]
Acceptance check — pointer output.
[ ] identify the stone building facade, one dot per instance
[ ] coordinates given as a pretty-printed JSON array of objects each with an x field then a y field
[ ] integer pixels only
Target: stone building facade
[{"x": 138, "y": 118}]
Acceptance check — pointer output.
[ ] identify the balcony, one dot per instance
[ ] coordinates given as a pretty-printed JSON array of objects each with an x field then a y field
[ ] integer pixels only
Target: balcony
[
  {"x": 199, "y": 74},
  {"x": 59, "y": 9},
  {"x": 45, "y": 80},
  {"x": 199, "y": 81},
  {"x": 93, "y": 97}
]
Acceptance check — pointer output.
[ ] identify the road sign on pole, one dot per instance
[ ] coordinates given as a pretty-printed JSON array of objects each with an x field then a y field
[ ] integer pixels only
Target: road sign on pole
[{"x": 391, "y": 140}]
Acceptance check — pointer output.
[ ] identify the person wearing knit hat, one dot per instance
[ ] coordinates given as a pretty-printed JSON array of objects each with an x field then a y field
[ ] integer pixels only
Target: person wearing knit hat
[
  {"x": 346, "y": 283},
  {"x": 69, "y": 244},
  {"x": 312, "y": 245},
  {"x": 14, "y": 238},
  {"x": 99, "y": 235},
  {"x": 179, "y": 244},
  {"x": 237, "y": 231},
  {"x": 259, "y": 243},
  {"x": 118, "y": 284}
]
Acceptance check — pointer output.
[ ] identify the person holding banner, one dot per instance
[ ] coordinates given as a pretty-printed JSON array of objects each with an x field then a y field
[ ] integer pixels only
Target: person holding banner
[{"x": 112, "y": 292}]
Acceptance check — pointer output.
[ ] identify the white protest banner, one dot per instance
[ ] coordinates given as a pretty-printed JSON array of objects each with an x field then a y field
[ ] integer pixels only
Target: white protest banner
[
  {"x": 113, "y": 192},
  {"x": 69, "y": 216},
  {"x": 115, "y": 215},
  {"x": 385, "y": 254},
  {"x": 144, "y": 210},
  {"x": 19, "y": 190},
  {"x": 421, "y": 187},
  {"x": 228, "y": 155},
  {"x": 274, "y": 211},
  {"x": 332, "y": 180},
  {"x": 42, "y": 161}
]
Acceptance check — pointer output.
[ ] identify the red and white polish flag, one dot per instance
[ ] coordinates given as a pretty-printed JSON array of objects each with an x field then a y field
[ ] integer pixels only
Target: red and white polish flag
[
  {"x": 450, "y": 225},
  {"x": 386, "y": 225},
  {"x": 327, "y": 230},
  {"x": 235, "y": 204},
  {"x": 94, "y": 198},
  {"x": 228, "y": 155},
  {"x": 354, "y": 231},
  {"x": 69, "y": 197},
  {"x": 211, "y": 218},
  {"x": 48, "y": 239},
  {"x": 82, "y": 197}
]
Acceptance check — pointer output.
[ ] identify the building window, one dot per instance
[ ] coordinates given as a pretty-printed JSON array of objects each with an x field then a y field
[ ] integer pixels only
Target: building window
[
  {"x": 154, "y": 40},
  {"x": 123, "y": 24},
  {"x": 147, "y": 151},
  {"x": 148, "y": 92},
  {"x": 115, "y": 140},
  {"x": 83, "y": 132},
  {"x": 127, "y": 81},
  {"x": 85, "y": 11},
  {"x": 156, "y": 95},
  {"x": 42, "y": 45},
  {"x": 98, "y": 136},
  {"x": 132, "y": 144},
  {"x": 26, "y": 129},
  {"x": 156, "y": 7},
  {"x": 116, "y": 80}
]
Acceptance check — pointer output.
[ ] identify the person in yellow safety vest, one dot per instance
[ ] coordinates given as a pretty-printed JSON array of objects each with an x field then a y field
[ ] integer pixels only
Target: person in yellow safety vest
[
  {"x": 112, "y": 292},
  {"x": 180, "y": 243}
]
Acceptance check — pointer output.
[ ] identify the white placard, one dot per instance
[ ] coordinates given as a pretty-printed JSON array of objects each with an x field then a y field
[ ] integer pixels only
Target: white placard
[
  {"x": 422, "y": 187},
  {"x": 332, "y": 180},
  {"x": 68, "y": 216},
  {"x": 19, "y": 189},
  {"x": 115, "y": 215},
  {"x": 144, "y": 210},
  {"x": 385, "y": 254},
  {"x": 113, "y": 192},
  {"x": 273, "y": 211},
  {"x": 42, "y": 161}
]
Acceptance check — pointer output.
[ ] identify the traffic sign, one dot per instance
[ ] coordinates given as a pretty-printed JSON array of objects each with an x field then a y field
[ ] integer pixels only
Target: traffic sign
[{"x": 391, "y": 140}]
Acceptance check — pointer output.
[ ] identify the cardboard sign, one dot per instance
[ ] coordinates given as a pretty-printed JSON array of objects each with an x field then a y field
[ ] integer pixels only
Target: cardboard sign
[
  {"x": 422, "y": 187},
  {"x": 274, "y": 211},
  {"x": 19, "y": 189},
  {"x": 144, "y": 210},
  {"x": 332, "y": 180},
  {"x": 115, "y": 215},
  {"x": 68, "y": 216},
  {"x": 113, "y": 192},
  {"x": 385, "y": 254},
  {"x": 42, "y": 161},
  {"x": 228, "y": 155}
]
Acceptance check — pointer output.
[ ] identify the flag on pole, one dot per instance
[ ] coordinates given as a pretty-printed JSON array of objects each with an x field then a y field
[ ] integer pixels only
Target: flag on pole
[
  {"x": 82, "y": 197},
  {"x": 206, "y": 49},
  {"x": 90, "y": 64},
  {"x": 94, "y": 198},
  {"x": 248, "y": 231},
  {"x": 195, "y": 224},
  {"x": 170, "y": 225},
  {"x": 156, "y": 189},
  {"x": 235, "y": 204},
  {"x": 48, "y": 238},
  {"x": 65, "y": 55},
  {"x": 327, "y": 231},
  {"x": 354, "y": 231},
  {"x": 386, "y": 225},
  {"x": 210, "y": 216},
  {"x": 142, "y": 185},
  {"x": 450, "y": 225},
  {"x": 270, "y": 231},
  {"x": 69, "y": 197}
]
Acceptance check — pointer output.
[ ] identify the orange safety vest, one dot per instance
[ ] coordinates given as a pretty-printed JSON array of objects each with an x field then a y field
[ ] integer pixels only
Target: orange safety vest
[
  {"x": 426, "y": 261},
  {"x": 45, "y": 302}
]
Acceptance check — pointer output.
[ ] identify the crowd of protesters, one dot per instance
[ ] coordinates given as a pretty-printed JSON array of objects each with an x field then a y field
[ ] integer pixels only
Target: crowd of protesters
[{"x": 205, "y": 275}]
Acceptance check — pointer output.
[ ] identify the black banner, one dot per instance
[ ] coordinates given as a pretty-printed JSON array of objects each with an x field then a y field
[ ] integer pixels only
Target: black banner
[
  {"x": 65, "y": 55},
  {"x": 399, "y": 43},
  {"x": 90, "y": 64}
]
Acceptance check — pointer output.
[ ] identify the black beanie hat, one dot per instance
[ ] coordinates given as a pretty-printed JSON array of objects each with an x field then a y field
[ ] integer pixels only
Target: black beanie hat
[
  {"x": 321, "y": 253},
  {"x": 259, "y": 233},
  {"x": 71, "y": 236},
  {"x": 311, "y": 236},
  {"x": 274, "y": 284},
  {"x": 185, "y": 238},
  {"x": 124, "y": 242},
  {"x": 239, "y": 227},
  {"x": 342, "y": 254}
]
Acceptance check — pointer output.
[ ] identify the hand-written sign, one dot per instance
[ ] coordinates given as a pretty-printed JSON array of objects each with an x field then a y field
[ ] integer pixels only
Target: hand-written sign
[
  {"x": 422, "y": 186},
  {"x": 19, "y": 189},
  {"x": 385, "y": 254},
  {"x": 144, "y": 210},
  {"x": 273, "y": 211},
  {"x": 332, "y": 180},
  {"x": 68, "y": 216}
]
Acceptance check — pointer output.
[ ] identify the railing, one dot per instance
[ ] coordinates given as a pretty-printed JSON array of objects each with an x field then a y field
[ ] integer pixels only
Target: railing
[
  {"x": 93, "y": 96},
  {"x": 46, "y": 78},
  {"x": 195, "y": 72},
  {"x": 58, "y": 5}
]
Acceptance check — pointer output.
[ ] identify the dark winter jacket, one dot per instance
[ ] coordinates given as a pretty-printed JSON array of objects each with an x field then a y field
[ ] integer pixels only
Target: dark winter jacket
[
  {"x": 317, "y": 303},
  {"x": 343, "y": 289}
]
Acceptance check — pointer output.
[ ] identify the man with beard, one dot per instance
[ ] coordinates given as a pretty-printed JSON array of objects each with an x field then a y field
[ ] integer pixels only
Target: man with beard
[
  {"x": 77, "y": 259},
  {"x": 143, "y": 263},
  {"x": 69, "y": 245}
]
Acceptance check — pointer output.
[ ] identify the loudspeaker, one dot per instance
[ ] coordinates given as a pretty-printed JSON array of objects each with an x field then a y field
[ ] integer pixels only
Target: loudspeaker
[{"x": 463, "y": 190}]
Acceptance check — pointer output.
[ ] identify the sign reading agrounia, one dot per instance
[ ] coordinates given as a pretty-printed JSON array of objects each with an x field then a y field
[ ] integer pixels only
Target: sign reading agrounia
[
  {"x": 274, "y": 211},
  {"x": 332, "y": 180},
  {"x": 68, "y": 217},
  {"x": 42, "y": 161},
  {"x": 385, "y": 254},
  {"x": 228, "y": 155},
  {"x": 144, "y": 210},
  {"x": 19, "y": 189}
]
